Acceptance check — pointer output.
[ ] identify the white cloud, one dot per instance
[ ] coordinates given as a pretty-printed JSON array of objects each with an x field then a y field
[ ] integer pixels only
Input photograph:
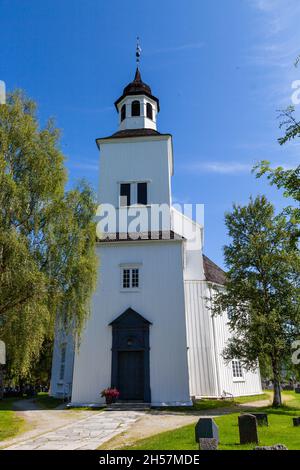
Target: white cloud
[
  {"x": 231, "y": 168},
  {"x": 265, "y": 5},
  {"x": 225, "y": 168},
  {"x": 277, "y": 31}
]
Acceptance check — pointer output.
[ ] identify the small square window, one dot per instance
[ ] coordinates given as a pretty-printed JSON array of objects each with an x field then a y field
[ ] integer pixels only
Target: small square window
[
  {"x": 237, "y": 369},
  {"x": 133, "y": 193},
  {"x": 130, "y": 278}
]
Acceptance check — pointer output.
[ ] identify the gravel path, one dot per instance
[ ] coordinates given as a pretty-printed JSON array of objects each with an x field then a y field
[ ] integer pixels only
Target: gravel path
[
  {"x": 85, "y": 429},
  {"x": 39, "y": 421},
  {"x": 67, "y": 429}
]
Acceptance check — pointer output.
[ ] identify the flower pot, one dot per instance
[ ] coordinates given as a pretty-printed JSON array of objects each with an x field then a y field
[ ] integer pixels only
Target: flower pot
[{"x": 111, "y": 395}]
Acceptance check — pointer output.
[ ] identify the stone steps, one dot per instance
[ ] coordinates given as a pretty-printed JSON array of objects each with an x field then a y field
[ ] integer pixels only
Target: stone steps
[{"x": 128, "y": 406}]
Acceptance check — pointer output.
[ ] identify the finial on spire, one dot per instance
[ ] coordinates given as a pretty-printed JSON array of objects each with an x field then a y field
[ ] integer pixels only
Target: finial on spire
[{"x": 138, "y": 51}]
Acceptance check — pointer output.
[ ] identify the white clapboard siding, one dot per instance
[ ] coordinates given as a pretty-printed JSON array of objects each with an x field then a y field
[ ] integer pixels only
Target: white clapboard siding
[
  {"x": 202, "y": 366},
  {"x": 210, "y": 376},
  {"x": 250, "y": 384},
  {"x": 160, "y": 300}
]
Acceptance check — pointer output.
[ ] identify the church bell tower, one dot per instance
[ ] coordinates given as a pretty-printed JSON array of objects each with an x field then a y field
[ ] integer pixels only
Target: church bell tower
[{"x": 137, "y": 107}]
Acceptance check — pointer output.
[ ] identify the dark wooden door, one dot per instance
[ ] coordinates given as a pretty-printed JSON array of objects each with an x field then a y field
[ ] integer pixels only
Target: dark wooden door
[{"x": 131, "y": 375}]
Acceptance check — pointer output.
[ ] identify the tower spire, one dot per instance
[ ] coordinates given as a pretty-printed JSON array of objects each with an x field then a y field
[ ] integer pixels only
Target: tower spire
[{"x": 138, "y": 51}]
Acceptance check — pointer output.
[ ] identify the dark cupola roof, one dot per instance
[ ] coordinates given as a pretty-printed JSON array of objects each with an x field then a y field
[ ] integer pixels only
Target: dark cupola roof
[{"x": 137, "y": 87}]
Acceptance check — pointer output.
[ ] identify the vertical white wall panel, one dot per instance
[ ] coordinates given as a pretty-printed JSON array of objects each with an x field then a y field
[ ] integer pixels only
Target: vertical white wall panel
[
  {"x": 160, "y": 300},
  {"x": 200, "y": 341},
  {"x": 250, "y": 384},
  {"x": 135, "y": 159},
  {"x": 210, "y": 376}
]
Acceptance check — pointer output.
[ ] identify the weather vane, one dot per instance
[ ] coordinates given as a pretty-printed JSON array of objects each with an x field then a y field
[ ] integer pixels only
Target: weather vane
[{"x": 138, "y": 51}]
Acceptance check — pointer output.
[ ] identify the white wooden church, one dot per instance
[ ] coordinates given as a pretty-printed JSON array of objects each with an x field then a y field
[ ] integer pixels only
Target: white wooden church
[{"x": 151, "y": 333}]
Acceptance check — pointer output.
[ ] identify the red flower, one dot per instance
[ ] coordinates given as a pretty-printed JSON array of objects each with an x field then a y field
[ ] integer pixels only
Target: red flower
[{"x": 110, "y": 392}]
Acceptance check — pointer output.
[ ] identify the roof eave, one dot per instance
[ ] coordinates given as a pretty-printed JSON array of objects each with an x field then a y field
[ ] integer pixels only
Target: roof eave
[{"x": 118, "y": 138}]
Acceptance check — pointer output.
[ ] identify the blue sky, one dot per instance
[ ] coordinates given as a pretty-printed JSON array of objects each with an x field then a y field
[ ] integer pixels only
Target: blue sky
[{"x": 221, "y": 70}]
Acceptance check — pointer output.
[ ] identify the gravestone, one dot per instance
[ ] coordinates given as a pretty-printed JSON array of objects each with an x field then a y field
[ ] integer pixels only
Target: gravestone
[
  {"x": 248, "y": 429},
  {"x": 297, "y": 390},
  {"x": 262, "y": 419},
  {"x": 296, "y": 421},
  {"x": 207, "y": 434}
]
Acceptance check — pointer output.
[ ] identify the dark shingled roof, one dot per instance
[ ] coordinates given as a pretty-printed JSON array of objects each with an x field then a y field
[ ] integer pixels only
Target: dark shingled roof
[
  {"x": 137, "y": 87},
  {"x": 139, "y": 236},
  {"x": 133, "y": 133},
  {"x": 212, "y": 272}
]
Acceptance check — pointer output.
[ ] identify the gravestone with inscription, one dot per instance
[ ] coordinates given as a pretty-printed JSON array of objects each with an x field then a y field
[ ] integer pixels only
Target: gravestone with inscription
[
  {"x": 207, "y": 434},
  {"x": 248, "y": 429}
]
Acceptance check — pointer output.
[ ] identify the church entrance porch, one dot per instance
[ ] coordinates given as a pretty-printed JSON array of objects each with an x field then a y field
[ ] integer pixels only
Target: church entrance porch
[{"x": 130, "y": 372}]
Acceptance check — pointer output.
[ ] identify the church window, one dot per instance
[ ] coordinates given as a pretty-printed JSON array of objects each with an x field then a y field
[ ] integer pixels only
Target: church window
[
  {"x": 135, "y": 278},
  {"x": 125, "y": 193},
  {"x": 126, "y": 278},
  {"x": 237, "y": 369},
  {"x": 142, "y": 193},
  {"x": 63, "y": 350},
  {"x": 149, "y": 111},
  {"x": 123, "y": 112},
  {"x": 135, "y": 108},
  {"x": 133, "y": 193},
  {"x": 130, "y": 278}
]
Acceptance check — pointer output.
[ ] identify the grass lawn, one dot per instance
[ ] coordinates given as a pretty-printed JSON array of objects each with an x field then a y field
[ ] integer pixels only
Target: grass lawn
[
  {"x": 242, "y": 400},
  {"x": 47, "y": 402},
  {"x": 50, "y": 403},
  {"x": 10, "y": 423},
  {"x": 291, "y": 399},
  {"x": 211, "y": 404},
  {"x": 279, "y": 431}
]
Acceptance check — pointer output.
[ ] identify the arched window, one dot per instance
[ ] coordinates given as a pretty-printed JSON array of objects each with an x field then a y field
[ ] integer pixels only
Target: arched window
[
  {"x": 135, "y": 108},
  {"x": 123, "y": 112},
  {"x": 149, "y": 111}
]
